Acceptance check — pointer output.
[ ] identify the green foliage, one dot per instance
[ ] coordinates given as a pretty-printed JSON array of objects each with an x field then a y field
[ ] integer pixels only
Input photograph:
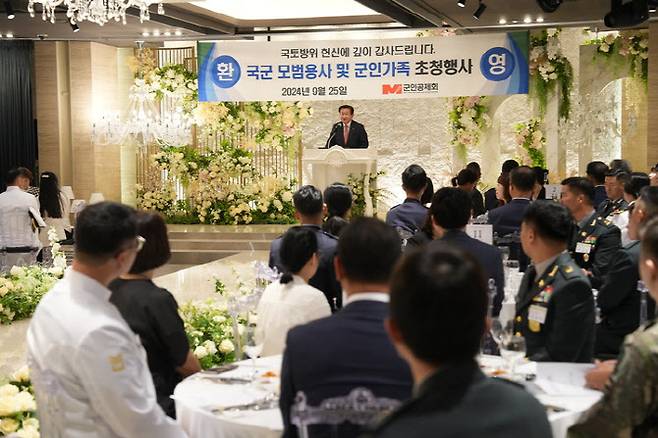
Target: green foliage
[
  {"x": 22, "y": 289},
  {"x": 356, "y": 183}
]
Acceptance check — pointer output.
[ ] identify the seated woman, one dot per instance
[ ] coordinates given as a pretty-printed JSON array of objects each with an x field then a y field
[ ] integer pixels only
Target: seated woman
[
  {"x": 290, "y": 301},
  {"x": 152, "y": 313},
  {"x": 338, "y": 198}
]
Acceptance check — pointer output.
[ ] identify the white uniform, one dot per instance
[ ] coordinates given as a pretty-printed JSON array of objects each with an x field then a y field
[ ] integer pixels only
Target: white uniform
[
  {"x": 89, "y": 369},
  {"x": 15, "y": 223}
]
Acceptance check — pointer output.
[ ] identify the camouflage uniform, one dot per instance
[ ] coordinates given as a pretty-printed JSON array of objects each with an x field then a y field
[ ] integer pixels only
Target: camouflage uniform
[{"x": 629, "y": 407}]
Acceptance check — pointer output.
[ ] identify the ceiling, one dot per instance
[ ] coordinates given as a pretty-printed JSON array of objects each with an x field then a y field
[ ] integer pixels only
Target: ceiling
[{"x": 224, "y": 19}]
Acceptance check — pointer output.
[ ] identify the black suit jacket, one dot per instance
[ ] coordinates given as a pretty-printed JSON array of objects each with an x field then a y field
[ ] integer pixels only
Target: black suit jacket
[
  {"x": 325, "y": 277},
  {"x": 357, "y": 138},
  {"x": 600, "y": 196},
  {"x": 458, "y": 401},
  {"x": 489, "y": 257},
  {"x": 330, "y": 357},
  {"x": 619, "y": 301},
  {"x": 507, "y": 219},
  {"x": 478, "y": 202},
  {"x": 567, "y": 332},
  {"x": 490, "y": 200}
]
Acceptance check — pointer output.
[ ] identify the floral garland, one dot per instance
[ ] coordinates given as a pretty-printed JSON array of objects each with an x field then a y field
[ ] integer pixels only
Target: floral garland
[
  {"x": 18, "y": 407},
  {"x": 468, "y": 117},
  {"x": 530, "y": 141},
  {"x": 356, "y": 183},
  {"x": 549, "y": 68},
  {"x": 632, "y": 47}
]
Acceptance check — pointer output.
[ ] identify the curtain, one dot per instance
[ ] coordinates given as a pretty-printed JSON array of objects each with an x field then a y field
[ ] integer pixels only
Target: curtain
[{"x": 18, "y": 141}]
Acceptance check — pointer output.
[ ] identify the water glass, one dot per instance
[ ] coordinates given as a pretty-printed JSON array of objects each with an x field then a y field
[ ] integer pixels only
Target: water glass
[
  {"x": 500, "y": 331},
  {"x": 512, "y": 350},
  {"x": 253, "y": 347}
]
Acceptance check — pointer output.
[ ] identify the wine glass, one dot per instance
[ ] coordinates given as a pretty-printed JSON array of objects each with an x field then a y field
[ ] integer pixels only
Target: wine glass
[
  {"x": 253, "y": 347},
  {"x": 504, "y": 252},
  {"x": 512, "y": 350}
]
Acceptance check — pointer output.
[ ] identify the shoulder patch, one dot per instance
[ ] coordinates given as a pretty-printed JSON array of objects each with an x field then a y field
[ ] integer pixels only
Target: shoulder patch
[{"x": 570, "y": 270}]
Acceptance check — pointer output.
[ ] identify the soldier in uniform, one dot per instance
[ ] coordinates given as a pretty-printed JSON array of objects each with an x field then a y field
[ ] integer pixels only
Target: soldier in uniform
[
  {"x": 628, "y": 407},
  {"x": 595, "y": 240},
  {"x": 410, "y": 216},
  {"x": 555, "y": 306},
  {"x": 614, "y": 187}
]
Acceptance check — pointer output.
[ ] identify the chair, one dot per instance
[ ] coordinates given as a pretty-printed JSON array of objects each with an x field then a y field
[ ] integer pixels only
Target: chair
[{"x": 360, "y": 407}]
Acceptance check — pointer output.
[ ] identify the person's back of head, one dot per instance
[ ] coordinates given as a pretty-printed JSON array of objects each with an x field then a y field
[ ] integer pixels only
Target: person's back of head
[
  {"x": 540, "y": 175},
  {"x": 367, "y": 251},
  {"x": 465, "y": 177},
  {"x": 308, "y": 204},
  {"x": 649, "y": 251},
  {"x": 546, "y": 223},
  {"x": 298, "y": 246},
  {"x": 156, "y": 250},
  {"x": 509, "y": 165},
  {"x": 18, "y": 176},
  {"x": 649, "y": 198},
  {"x": 522, "y": 180},
  {"x": 335, "y": 225},
  {"x": 438, "y": 305},
  {"x": 414, "y": 179},
  {"x": 596, "y": 171},
  {"x": 49, "y": 199},
  {"x": 428, "y": 193},
  {"x": 451, "y": 208},
  {"x": 635, "y": 183},
  {"x": 475, "y": 168},
  {"x": 620, "y": 165},
  {"x": 338, "y": 198}
]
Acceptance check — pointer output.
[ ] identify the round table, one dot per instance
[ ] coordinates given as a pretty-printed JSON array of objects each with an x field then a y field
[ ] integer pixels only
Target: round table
[{"x": 557, "y": 385}]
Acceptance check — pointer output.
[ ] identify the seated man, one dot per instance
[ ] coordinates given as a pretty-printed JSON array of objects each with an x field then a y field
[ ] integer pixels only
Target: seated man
[
  {"x": 438, "y": 313},
  {"x": 596, "y": 171},
  {"x": 614, "y": 187},
  {"x": 595, "y": 240},
  {"x": 309, "y": 211},
  {"x": 628, "y": 407},
  {"x": 507, "y": 219},
  {"x": 450, "y": 212},
  {"x": 555, "y": 306},
  {"x": 410, "y": 216},
  {"x": 332, "y": 356},
  {"x": 618, "y": 298}
]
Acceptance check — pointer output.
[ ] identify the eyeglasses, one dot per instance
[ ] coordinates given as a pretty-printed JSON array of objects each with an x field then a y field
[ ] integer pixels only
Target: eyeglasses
[{"x": 140, "y": 243}]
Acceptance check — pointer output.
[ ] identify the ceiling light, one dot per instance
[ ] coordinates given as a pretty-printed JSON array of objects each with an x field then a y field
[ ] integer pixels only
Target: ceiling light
[
  {"x": 527, "y": 20},
  {"x": 156, "y": 33},
  {"x": 9, "y": 10},
  {"x": 540, "y": 19},
  {"x": 178, "y": 33},
  {"x": 461, "y": 3},
  {"x": 167, "y": 33},
  {"x": 478, "y": 13},
  {"x": 10, "y": 35},
  {"x": 145, "y": 34},
  {"x": 515, "y": 21},
  {"x": 74, "y": 25},
  {"x": 502, "y": 21},
  {"x": 99, "y": 12}
]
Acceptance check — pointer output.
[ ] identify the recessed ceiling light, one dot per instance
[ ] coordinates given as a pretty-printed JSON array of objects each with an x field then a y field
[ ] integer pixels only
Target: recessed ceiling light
[
  {"x": 502, "y": 21},
  {"x": 540, "y": 19},
  {"x": 9, "y": 11},
  {"x": 527, "y": 20},
  {"x": 515, "y": 21},
  {"x": 478, "y": 13},
  {"x": 10, "y": 35},
  {"x": 167, "y": 33},
  {"x": 178, "y": 33},
  {"x": 461, "y": 3},
  {"x": 156, "y": 33},
  {"x": 652, "y": 9},
  {"x": 145, "y": 34}
]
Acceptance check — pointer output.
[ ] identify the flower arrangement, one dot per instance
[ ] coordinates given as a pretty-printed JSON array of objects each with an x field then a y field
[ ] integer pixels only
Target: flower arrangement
[
  {"x": 357, "y": 183},
  {"x": 18, "y": 407},
  {"x": 632, "y": 47},
  {"x": 549, "y": 68},
  {"x": 468, "y": 117},
  {"x": 530, "y": 141},
  {"x": 277, "y": 122}
]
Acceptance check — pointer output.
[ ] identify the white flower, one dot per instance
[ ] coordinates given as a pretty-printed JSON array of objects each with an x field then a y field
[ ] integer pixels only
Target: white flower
[
  {"x": 28, "y": 432},
  {"x": 8, "y": 391},
  {"x": 25, "y": 401},
  {"x": 210, "y": 347},
  {"x": 277, "y": 204},
  {"x": 200, "y": 352},
  {"x": 253, "y": 318},
  {"x": 17, "y": 271},
  {"x": 604, "y": 48},
  {"x": 8, "y": 425},
  {"x": 551, "y": 32},
  {"x": 21, "y": 375},
  {"x": 219, "y": 319},
  {"x": 226, "y": 346},
  {"x": 552, "y": 76},
  {"x": 609, "y": 39},
  {"x": 644, "y": 55},
  {"x": 31, "y": 423}
]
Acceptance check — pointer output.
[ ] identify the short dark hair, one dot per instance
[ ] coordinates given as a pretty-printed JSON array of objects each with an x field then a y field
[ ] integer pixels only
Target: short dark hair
[
  {"x": 620, "y": 165},
  {"x": 308, "y": 201},
  {"x": 102, "y": 230},
  {"x": 338, "y": 198},
  {"x": 16, "y": 172},
  {"x": 551, "y": 220},
  {"x": 297, "y": 247},
  {"x": 368, "y": 249},
  {"x": 414, "y": 178},
  {"x": 475, "y": 167},
  {"x": 581, "y": 186},
  {"x": 649, "y": 245},
  {"x": 438, "y": 290},
  {"x": 509, "y": 165},
  {"x": 465, "y": 176},
  {"x": 349, "y": 107},
  {"x": 635, "y": 182},
  {"x": 156, "y": 251},
  {"x": 649, "y": 196},
  {"x": 597, "y": 170},
  {"x": 451, "y": 208},
  {"x": 540, "y": 175},
  {"x": 523, "y": 178},
  {"x": 428, "y": 193}
]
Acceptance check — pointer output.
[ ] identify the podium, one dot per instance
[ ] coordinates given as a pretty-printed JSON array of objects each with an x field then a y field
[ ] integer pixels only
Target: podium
[{"x": 323, "y": 167}]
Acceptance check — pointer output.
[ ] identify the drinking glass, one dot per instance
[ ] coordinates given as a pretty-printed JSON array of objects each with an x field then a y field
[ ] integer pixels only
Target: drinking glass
[
  {"x": 504, "y": 252},
  {"x": 512, "y": 350},
  {"x": 500, "y": 331},
  {"x": 253, "y": 347}
]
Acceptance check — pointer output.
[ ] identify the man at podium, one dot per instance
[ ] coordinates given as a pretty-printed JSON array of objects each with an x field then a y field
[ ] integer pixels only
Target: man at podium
[{"x": 348, "y": 133}]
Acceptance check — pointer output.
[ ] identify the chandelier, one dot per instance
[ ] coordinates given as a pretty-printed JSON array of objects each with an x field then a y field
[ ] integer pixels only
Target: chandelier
[{"x": 96, "y": 11}]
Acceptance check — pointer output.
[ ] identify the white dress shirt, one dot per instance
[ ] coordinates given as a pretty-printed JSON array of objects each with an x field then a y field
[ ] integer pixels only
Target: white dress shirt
[
  {"x": 89, "y": 369},
  {"x": 621, "y": 221},
  {"x": 15, "y": 222},
  {"x": 60, "y": 224},
  {"x": 284, "y": 306}
]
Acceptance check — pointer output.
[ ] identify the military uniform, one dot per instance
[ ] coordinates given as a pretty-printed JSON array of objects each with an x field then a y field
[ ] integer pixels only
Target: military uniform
[
  {"x": 610, "y": 208},
  {"x": 555, "y": 313},
  {"x": 409, "y": 216},
  {"x": 593, "y": 247},
  {"x": 629, "y": 406}
]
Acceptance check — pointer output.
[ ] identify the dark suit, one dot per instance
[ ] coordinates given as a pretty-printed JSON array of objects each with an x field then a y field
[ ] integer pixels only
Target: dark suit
[
  {"x": 330, "y": 357},
  {"x": 409, "y": 216},
  {"x": 489, "y": 257},
  {"x": 458, "y": 401},
  {"x": 600, "y": 196},
  {"x": 599, "y": 240},
  {"x": 563, "y": 292},
  {"x": 356, "y": 139},
  {"x": 619, "y": 301},
  {"x": 490, "y": 200},
  {"x": 507, "y": 219},
  {"x": 609, "y": 207},
  {"x": 325, "y": 277},
  {"x": 478, "y": 203}
]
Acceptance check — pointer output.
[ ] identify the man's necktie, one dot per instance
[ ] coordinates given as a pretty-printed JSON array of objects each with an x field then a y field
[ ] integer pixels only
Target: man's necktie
[{"x": 345, "y": 133}]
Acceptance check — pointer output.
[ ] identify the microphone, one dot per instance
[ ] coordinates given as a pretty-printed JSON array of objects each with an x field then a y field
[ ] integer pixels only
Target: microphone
[{"x": 333, "y": 134}]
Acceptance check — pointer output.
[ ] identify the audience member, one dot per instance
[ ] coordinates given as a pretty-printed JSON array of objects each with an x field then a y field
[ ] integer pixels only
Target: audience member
[
  {"x": 79, "y": 343},
  {"x": 541, "y": 175},
  {"x": 491, "y": 200},
  {"x": 628, "y": 406},
  {"x": 595, "y": 240},
  {"x": 338, "y": 198},
  {"x": 502, "y": 190},
  {"x": 632, "y": 188},
  {"x": 332, "y": 356},
  {"x": 410, "y": 216},
  {"x": 619, "y": 165},
  {"x": 438, "y": 313},
  {"x": 450, "y": 212},
  {"x": 55, "y": 209},
  {"x": 309, "y": 212},
  {"x": 653, "y": 177},
  {"x": 618, "y": 299},
  {"x": 596, "y": 171},
  {"x": 476, "y": 196},
  {"x": 428, "y": 193},
  {"x": 152, "y": 312},
  {"x": 614, "y": 187},
  {"x": 466, "y": 180},
  {"x": 507, "y": 219},
  {"x": 291, "y": 301},
  {"x": 555, "y": 306}
]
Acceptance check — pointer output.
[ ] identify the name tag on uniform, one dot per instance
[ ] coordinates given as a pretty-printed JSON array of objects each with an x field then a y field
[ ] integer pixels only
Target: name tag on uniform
[
  {"x": 537, "y": 313},
  {"x": 583, "y": 248}
]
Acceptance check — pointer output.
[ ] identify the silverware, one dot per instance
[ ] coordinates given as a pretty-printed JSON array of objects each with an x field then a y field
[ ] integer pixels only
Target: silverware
[
  {"x": 269, "y": 402},
  {"x": 226, "y": 380}
]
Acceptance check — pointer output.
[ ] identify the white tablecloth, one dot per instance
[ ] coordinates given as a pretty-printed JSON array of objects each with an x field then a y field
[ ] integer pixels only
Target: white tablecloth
[{"x": 557, "y": 384}]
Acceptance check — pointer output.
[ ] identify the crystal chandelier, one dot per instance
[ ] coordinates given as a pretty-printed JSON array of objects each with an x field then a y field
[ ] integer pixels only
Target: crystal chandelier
[{"x": 96, "y": 11}]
